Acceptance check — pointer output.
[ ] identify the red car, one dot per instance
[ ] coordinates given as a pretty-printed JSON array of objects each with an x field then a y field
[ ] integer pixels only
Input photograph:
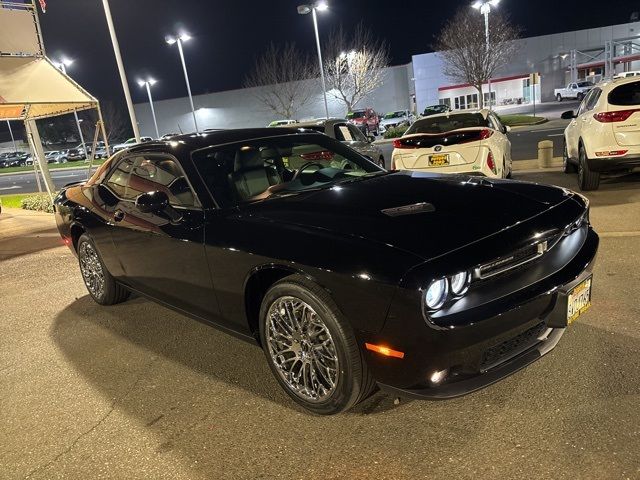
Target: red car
[{"x": 367, "y": 120}]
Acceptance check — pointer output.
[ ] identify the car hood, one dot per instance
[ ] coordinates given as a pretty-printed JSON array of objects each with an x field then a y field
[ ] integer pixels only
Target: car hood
[{"x": 427, "y": 215}]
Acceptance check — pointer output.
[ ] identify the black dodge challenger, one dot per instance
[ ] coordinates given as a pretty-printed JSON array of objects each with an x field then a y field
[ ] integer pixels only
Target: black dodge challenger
[{"x": 348, "y": 276}]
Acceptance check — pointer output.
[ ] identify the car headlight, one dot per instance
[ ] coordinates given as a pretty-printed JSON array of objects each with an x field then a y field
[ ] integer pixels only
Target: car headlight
[
  {"x": 460, "y": 283},
  {"x": 437, "y": 294}
]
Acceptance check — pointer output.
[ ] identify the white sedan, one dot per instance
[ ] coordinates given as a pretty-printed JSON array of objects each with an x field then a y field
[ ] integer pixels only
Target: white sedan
[{"x": 469, "y": 142}]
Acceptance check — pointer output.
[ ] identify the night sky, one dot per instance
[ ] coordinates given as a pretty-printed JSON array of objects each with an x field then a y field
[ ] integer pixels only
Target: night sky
[{"x": 228, "y": 34}]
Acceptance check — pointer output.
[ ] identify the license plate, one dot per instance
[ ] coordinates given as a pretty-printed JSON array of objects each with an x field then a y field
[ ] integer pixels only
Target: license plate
[
  {"x": 438, "y": 160},
  {"x": 579, "y": 300}
]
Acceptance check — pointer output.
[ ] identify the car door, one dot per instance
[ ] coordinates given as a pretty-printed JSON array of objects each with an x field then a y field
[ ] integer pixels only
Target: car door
[
  {"x": 573, "y": 130},
  {"x": 162, "y": 253},
  {"x": 501, "y": 140}
]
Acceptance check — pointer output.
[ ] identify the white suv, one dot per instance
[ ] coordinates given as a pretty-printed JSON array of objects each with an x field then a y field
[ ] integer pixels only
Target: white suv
[{"x": 604, "y": 134}]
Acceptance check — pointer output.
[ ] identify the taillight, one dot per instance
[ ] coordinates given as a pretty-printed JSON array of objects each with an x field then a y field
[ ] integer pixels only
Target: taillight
[
  {"x": 611, "y": 153},
  {"x": 398, "y": 143},
  {"x": 318, "y": 156},
  {"x": 611, "y": 117},
  {"x": 485, "y": 133},
  {"x": 491, "y": 163}
]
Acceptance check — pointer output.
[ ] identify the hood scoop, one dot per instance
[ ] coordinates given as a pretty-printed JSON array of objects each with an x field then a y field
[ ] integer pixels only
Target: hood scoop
[{"x": 422, "y": 207}]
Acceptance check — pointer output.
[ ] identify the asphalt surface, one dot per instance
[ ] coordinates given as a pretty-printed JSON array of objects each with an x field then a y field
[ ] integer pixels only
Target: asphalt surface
[
  {"x": 138, "y": 391},
  {"x": 25, "y": 182}
]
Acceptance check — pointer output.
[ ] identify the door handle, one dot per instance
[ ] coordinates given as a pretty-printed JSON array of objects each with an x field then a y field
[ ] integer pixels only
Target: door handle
[{"x": 118, "y": 215}]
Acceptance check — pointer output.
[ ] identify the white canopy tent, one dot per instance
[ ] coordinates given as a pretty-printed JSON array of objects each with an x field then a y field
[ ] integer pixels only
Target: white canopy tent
[{"x": 31, "y": 87}]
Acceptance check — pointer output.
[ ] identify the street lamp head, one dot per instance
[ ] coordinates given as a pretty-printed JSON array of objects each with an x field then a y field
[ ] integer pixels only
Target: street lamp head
[
  {"x": 477, "y": 4},
  {"x": 304, "y": 9},
  {"x": 170, "y": 40},
  {"x": 321, "y": 6},
  {"x": 185, "y": 37},
  {"x": 150, "y": 81},
  {"x": 66, "y": 61}
]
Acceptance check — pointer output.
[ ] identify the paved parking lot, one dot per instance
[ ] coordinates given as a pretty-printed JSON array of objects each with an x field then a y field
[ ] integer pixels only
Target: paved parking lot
[{"x": 138, "y": 391}]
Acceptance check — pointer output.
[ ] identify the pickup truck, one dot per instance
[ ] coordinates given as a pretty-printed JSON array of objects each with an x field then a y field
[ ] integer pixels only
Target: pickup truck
[{"x": 575, "y": 90}]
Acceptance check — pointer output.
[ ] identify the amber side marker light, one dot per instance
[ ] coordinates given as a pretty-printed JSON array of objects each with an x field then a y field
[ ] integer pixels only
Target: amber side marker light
[{"x": 384, "y": 350}]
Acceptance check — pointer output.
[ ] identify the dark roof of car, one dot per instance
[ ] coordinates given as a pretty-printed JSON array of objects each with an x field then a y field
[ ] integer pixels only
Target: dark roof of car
[{"x": 195, "y": 141}]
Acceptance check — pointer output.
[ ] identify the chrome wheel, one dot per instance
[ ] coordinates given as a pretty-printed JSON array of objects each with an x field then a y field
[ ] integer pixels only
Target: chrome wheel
[
  {"x": 91, "y": 269},
  {"x": 301, "y": 349}
]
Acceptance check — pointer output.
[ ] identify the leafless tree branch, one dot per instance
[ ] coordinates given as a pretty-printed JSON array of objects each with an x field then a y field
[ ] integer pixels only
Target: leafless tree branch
[
  {"x": 462, "y": 47},
  {"x": 354, "y": 65},
  {"x": 280, "y": 78}
]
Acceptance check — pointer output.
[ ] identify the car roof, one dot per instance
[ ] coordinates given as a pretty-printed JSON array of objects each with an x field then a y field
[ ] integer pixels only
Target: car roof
[
  {"x": 196, "y": 141},
  {"x": 484, "y": 112},
  {"x": 615, "y": 82},
  {"x": 319, "y": 122}
]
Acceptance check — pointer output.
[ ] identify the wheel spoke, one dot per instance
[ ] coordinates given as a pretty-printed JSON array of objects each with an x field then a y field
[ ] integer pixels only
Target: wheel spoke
[{"x": 302, "y": 349}]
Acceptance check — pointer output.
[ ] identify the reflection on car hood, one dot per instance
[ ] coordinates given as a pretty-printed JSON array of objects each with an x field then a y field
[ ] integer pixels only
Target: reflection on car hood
[{"x": 439, "y": 213}]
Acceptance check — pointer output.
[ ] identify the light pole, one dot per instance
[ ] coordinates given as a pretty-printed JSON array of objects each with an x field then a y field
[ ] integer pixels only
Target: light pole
[
  {"x": 62, "y": 65},
  {"x": 179, "y": 39},
  {"x": 148, "y": 83},
  {"x": 123, "y": 75},
  {"x": 13, "y": 140},
  {"x": 485, "y": 8},
  {"x": 319, "y": 6}
]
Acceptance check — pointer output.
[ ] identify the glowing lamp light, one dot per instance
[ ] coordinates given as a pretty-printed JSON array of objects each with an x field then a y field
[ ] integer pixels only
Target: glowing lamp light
[{"x": 383, "y": 350}]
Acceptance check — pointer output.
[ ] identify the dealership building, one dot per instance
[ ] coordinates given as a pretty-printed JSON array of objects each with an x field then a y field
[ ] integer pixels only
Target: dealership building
[{"x": 591, "y": 54}]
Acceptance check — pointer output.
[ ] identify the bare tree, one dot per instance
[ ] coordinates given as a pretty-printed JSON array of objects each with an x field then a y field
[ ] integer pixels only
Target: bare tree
[
  {"x": 281, "y": 77},
  {"x": 115, "y": 122},
  {"x": 463, "y": 49},
  {"x": 354, "y": 65}
]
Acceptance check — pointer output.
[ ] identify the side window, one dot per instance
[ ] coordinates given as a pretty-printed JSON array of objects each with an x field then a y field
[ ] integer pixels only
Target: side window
[
  {"x": 594, "y": 96},
  {"x": 343, "y": 133},
  {"x": 117, "y": 181},
  {"x": 150, "y": 173},
  {"x": 583, "y": 104},
  {"x": 356, "y": 134}
]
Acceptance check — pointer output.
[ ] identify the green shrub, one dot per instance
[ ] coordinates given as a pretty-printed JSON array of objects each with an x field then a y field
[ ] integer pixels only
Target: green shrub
[
  {"x": 396, "y": 132},
  {"x": 40, "y": 203}
]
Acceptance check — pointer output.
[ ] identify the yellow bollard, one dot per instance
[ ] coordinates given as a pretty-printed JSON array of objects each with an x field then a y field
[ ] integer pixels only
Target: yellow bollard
[{"x": 545, "y": 153}]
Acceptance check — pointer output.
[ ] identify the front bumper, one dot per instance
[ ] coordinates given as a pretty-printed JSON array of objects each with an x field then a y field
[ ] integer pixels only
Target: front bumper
[
  {"x": 504, "y": 338},
  {"x": 608, "y": 164}
]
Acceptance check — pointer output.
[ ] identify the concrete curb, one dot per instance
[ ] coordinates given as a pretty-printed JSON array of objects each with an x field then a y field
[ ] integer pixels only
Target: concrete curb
[
  {"x": 520, "y": 165},
  {"x": 519, "y": 125}
]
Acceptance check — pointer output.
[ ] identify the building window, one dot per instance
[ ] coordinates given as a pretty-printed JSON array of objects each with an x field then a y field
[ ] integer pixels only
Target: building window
[
  {"x": 445, "y": 101},
  {"x": 472, "y": 101},
  {"x": 485, "y": 98},
  {"x": 460, "y": 103}
]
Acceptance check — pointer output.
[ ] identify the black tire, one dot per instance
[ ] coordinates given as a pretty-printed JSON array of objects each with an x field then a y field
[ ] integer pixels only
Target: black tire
[
  {"x": 353, "y": 382},
  {"x": 567, "y": 166},
  {"x": 587, "y": 179},
  {"x": 509, "y": 174},
  {"x": 112, "y": 292},
  {"x": 559, "y": 97},
  {"x": 381, "y": 162}
]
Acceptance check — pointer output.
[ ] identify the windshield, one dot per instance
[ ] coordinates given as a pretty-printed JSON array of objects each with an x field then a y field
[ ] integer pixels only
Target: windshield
[
  {"x": 359, "y": 114},
  {"x": 394, "y": 115},
  {"x": 446, "y": 123},
  {"x": 585, "y": 84},
  {"x": 279, "y": 166}
]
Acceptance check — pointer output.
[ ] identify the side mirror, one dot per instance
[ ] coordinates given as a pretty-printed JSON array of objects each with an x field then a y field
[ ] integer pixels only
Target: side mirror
[
  {"x": 568, "y": 115},
  {"x": 507, "y": 129},
  {"x": 152, "y": 202},
  {"x": 371, "y": 138}
]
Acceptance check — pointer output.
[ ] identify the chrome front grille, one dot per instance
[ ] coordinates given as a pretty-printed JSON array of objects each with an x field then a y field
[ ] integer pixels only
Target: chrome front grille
[{"x": 518, "y": 257}]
